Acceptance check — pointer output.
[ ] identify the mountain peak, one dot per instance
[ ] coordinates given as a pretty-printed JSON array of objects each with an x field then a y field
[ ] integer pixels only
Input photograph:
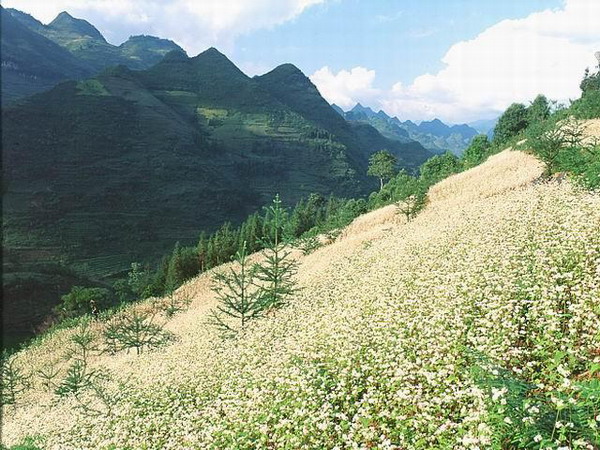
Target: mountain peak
[
  {"x": 288, "y": 69},
  {"x": 358, "y": 108},
  {"x": 211, "y": 52},
  {"x": 66, "y": 23},
  {"x": 212, "y": 61}
]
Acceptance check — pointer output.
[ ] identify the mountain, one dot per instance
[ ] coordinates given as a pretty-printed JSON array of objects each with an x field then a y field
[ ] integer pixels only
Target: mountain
[
  {"x": 69, "y": 29},
  {"x": 31, "y": 62},
  {"x": 485, "y": 126},
  {"x": 434, "y": 135},
  {"x": 116, "y": 168},
  {"x": 337, "y": 109},
  {"x": 435, "y": 127},
  {"x": 66, "y": 48}
]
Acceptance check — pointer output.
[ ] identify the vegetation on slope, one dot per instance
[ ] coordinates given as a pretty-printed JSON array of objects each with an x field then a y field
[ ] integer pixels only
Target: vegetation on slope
[{"x": 471, "y": 326}]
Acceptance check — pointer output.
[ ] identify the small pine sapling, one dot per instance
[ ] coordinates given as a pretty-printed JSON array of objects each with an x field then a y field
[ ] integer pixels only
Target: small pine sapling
[
  {"x": 239, "y": 299},
  {"x": 275, "y": 274},
  {"x": 134, "y": 329},
  {"x": 13, "y": 380}
]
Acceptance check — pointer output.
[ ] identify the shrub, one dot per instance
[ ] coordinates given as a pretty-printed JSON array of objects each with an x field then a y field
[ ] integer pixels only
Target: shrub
[
  {"x": 84, "y": 300},
  {"x": 511, "y": 122}
]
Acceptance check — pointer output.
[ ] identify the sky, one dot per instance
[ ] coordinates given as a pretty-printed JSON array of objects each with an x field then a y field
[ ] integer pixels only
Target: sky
[{"x": 457, "y": 60}]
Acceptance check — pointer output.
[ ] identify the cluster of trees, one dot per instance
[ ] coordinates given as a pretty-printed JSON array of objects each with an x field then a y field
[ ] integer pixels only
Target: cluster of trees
[{"x": 518, "y": 117}]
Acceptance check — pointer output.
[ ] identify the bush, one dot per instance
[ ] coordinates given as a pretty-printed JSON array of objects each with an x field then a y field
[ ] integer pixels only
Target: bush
[
  {"x": 84, "y": 300},
  {"x": 588, "y": 106},
  {"x": 477, "y": 151}
]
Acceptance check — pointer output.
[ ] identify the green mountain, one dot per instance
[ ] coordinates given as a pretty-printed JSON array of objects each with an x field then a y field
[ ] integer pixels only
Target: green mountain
[
  {"x": 30, "y": 62},
  {"x": 434, "y": 135},
  {"x": 38, "y": 56},
  {"x": 117, "y": 168}
]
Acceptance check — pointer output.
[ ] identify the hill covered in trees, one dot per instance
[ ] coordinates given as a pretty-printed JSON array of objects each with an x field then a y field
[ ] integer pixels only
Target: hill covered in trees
[{"x": 106, "y": 171}]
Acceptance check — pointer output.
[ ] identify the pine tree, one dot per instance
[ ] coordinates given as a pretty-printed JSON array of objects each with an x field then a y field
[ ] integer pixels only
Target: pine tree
[
  {"x": 239, "y": 299},
  {"x": 275, "y": 274}
]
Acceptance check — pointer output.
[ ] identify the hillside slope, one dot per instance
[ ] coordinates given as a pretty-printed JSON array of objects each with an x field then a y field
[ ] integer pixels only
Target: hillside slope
[{"x": 380, "y": 347}]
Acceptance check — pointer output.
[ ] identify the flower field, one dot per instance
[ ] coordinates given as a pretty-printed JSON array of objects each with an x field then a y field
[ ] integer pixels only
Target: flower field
[{"x": 475, "y": 325}]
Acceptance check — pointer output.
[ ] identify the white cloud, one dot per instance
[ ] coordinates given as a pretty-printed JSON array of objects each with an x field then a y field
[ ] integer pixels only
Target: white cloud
[
  {"x": 193, "y": 24},
  {"x": 346, "y": 88},
  {"x": 512, "y": 61}
]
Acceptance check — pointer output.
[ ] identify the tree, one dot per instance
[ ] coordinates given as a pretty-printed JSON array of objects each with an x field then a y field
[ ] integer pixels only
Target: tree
[
  {"x": 476, "y": 151},
  {"x": 439, "y": 167},
  {"x": 538, "y": 110},
  {"x": 510, "y": 123},
  {"x": 275, "y": 274},
  {"x": 239, "y": 298},
  {"x": 382, "y": 164}
]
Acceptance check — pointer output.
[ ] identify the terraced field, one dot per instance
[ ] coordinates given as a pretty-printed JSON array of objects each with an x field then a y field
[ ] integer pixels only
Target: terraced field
[{"x": 473, "y": 326}]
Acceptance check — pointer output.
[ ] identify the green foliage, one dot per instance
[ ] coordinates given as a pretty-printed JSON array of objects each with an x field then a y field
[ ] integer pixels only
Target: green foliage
[
  {"x": 590, "y": 82},
  {"x": 307, "y": 214},
  {"x": 239, "y": 298},
  {"x": 439, "y": 167},
  {"x": 538, "y": 110},
  {"x": 134, "y": 329},
  {"x": 309, "y": 244},
  {"x": 522, "y": 414},
  {"x": 82, "y": 300},
  {"x": 79, "y": 375},
  {"x": 13, "y": 380},
  {"x": 560, "y": 144},
  {"x": 476, "y": 152},
  {"x": 588, "y": 106},
  {"x": 275, "y": 273},
  {"x": 398, "y": 189},
  {"x": 382, "y": 164},
  {"x": 78, "y": 378},
  {"x": 28, "y": 443},
  {"x": 183, "y": 265},
  {"x": 411, "y": 205},
  {"x": 511, "y": 122}
]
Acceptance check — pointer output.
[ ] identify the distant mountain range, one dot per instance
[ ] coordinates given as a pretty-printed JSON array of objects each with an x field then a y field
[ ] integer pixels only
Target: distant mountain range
[
  {"x": 434, "y": 135},
  {"x": 35, "y": 57},
  {"x": 105, "y": 170}
]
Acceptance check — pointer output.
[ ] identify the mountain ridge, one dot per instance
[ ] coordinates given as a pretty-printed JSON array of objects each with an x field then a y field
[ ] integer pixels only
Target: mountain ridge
[
  {"x": 434, "y": 135},
  {"x": 28, "y": 43}
]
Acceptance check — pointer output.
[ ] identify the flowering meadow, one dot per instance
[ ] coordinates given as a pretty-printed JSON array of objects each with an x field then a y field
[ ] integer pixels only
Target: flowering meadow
[{"x": 476, "y": 325}]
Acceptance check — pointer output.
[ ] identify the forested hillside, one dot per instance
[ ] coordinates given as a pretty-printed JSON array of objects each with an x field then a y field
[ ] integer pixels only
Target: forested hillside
[{"x": 104, "y": 172}]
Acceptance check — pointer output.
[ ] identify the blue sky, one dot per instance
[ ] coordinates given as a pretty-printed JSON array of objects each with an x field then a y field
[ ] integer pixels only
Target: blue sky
[
  {"x": 398, "y": 39},
  {"x": 459, "y": 60}
]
